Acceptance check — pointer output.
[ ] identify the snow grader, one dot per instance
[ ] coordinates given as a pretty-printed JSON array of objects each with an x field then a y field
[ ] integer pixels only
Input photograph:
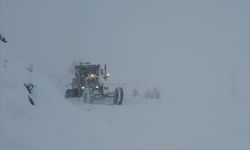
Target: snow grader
[{"x": 90, "y": 84}]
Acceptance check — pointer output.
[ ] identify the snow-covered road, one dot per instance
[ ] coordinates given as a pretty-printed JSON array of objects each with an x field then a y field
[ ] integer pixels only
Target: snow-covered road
[
  {"x": 56, "y": 123},
  {"x": 196, "y": 53},
  {"x": 163, "y": 125}
]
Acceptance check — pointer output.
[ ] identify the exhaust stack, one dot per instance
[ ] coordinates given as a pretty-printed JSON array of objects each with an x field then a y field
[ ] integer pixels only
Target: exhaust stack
[{"x": 105, "y": 69}]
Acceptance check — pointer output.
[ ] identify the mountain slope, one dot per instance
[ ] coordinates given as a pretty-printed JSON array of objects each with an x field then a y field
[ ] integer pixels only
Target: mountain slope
[{"x": 56, "y": 123}]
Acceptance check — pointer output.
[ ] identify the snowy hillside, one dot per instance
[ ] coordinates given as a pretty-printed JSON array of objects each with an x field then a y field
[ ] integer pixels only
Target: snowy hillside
[
  {"x": 196, "y": 54},
  {"x": 56, "y": 123}
]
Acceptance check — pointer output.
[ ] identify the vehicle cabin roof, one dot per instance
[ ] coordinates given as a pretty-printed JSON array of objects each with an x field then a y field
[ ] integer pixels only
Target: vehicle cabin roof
[
  {"x": 86, "y": 66},
  {"x": 84, "y": 69}
]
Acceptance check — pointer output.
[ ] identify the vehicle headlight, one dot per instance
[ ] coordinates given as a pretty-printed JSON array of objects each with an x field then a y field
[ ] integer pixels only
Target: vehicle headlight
[
  {"x": 108, "y": 74},
  {"x": 92, "y": 75},
  {"x": 97, "y": 87},
  {"x": 83, "y": 87}
]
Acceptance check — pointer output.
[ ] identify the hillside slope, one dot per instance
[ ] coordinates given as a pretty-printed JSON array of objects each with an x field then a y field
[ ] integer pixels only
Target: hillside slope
[{"x": 54, "y": 123}]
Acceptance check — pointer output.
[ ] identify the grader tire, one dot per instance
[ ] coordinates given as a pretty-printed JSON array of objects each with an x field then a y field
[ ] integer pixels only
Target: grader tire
[{"x": 119, "y": 94}]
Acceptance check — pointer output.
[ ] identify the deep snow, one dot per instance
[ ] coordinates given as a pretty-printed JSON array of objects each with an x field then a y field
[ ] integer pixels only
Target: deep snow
[
  {"x": 58, "y": 123},
  {"x": 196, "y": 52}
]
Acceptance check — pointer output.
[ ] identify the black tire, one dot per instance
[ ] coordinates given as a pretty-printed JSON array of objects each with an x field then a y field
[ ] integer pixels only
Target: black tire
[
  {"x": 115, "y": 98},
  {"x": 68, "y": 93},
  {"x": 118, "y": 96},
  {"x": 121, "y": 93}
]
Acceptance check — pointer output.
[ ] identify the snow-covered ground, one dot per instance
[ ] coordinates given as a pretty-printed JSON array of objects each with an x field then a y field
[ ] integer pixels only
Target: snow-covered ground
[
  {"x": 139, "y": 124},
  {"x": 195, "y": 52}
]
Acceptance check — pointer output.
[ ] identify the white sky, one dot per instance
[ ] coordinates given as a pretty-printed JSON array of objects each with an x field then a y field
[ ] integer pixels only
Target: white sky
[{"x": 186, "y": 47}]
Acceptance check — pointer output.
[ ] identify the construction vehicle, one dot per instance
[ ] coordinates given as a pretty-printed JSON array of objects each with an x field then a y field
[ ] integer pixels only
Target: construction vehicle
[{"x": 90, "y": 84}]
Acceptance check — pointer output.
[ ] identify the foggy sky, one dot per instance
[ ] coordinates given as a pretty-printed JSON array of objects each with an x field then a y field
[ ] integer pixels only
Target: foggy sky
[{"x": 188, "y": 48}]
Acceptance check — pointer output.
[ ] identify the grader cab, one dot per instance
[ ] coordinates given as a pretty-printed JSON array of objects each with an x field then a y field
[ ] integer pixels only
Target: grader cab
[{"x": 89, "y": 83}]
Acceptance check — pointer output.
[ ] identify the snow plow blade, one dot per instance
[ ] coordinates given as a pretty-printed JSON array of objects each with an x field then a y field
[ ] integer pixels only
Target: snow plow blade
[{"x": 70, "y": 93}]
